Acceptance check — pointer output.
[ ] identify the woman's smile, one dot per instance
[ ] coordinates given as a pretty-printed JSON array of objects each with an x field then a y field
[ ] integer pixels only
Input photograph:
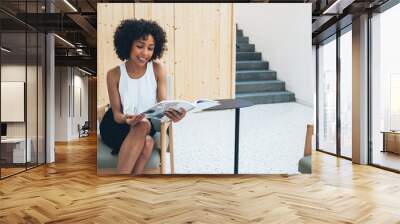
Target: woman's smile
[{"x": 142, "y": 59}]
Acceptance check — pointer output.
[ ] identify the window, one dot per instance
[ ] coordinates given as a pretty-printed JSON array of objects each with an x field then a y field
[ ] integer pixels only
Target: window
[
  {"x": 22, "y": 65},
  {"x": 395, "y": 101},
  {"x": 385, "y": 89},
  {"x": 346, "y": 94},
  {"x": 327, "y": 97}
]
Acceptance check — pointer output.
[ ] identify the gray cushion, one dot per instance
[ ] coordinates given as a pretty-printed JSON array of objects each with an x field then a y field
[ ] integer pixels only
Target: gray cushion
[
  {"x": 305, "y": 165},
  {"x": 156, "y": 124},
  {"x": 106, "y": 160}
]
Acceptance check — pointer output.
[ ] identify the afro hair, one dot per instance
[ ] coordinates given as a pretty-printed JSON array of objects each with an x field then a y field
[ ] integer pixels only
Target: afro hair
[{"x": 131, "y": 30}]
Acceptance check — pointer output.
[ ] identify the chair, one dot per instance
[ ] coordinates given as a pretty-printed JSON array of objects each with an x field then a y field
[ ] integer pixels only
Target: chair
[
  {"x": 83, "y": 131},
  {"x": 305, "y": 162},
  {"x": 107, "y": 163}
]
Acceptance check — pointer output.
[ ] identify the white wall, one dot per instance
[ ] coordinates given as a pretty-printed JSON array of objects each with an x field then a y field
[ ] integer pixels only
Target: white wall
[
  {"x": 33, "y": 127},
  {"x": 282, "y": 33},
  {"x": 50, "y": 95},
  {"x": 68, "y": 82},
  {"x": 80, "y": 83},
  {"x": 61, "y": 103},
  {"x": 16, "y": 73}
]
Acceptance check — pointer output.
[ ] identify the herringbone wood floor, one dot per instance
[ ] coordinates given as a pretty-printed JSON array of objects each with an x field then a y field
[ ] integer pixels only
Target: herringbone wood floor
[{"x": 69, "y": 191}]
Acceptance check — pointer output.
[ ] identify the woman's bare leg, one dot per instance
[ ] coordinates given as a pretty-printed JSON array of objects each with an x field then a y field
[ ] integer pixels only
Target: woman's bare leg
[
  {"x": 132, "y": 147},
  {"x": 145, "y": 156}
]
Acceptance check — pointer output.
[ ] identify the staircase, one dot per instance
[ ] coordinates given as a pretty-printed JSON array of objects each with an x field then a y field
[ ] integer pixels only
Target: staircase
[{"x": 254, "y": 81}]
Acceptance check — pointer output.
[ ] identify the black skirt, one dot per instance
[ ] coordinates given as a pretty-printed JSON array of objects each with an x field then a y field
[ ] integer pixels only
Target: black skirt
[{"x": 113, "y": 134}]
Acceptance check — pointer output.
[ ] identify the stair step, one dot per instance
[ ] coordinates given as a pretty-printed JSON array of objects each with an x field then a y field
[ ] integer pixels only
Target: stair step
[
  {"x": 248, "y": 56},
  {"x": 254, "y": 75},
  {"x": 242, "y": 40},
  {"x": 239, "y": 32},
  {"x": 254, "y": 81},
  {"x": 245, "y": 47},
  {"x": 260, "y": 86},
  {"x": 267, "y": 97},
  {"x": 251, "y": 65}
]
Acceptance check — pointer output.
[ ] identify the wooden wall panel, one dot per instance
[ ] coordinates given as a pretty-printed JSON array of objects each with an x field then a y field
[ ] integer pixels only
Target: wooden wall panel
[
  {"x": 161, "y": 13},
  {"x": 101, "y": 71},
  {"x": 179, "y": 77},
  {"x": 200, "y": 49},
  {"x": 143, "y": 11},
  {"x": 232, "y": 82}
]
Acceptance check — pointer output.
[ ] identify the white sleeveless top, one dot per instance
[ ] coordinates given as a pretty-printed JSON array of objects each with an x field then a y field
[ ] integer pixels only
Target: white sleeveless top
[{"x": 138, "y": 94}]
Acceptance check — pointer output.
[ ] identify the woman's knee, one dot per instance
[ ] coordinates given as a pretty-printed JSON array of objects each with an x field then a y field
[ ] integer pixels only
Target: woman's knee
[
  {"x": 144, "y": 125},
  {"x": 149, "y": 142}
]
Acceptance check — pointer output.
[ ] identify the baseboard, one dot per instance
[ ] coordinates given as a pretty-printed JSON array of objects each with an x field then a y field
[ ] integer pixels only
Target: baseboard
[{"x": 304, "y": 102}]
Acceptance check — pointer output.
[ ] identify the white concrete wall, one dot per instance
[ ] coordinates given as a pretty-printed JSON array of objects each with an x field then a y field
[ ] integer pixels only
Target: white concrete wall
[
  {"x": 35, "y": 125},
  {"x": 81, "y": 83},
  {"x": 282, "y": 33},
  {"x": 50, "y": 95},
  {"x": 61, "y": 104},
  {"x": 68, "y": 82}
]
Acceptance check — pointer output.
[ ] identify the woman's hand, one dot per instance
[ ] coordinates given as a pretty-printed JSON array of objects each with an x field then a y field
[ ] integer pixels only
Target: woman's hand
[
  {"x": 133, "y": 119},
  {"x": 175, "y": 115}
]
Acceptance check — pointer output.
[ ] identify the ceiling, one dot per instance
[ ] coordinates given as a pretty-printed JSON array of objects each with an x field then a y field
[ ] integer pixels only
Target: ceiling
[
  {"x": 331, "y": 15},
  {"x": 75, "y": 21}
]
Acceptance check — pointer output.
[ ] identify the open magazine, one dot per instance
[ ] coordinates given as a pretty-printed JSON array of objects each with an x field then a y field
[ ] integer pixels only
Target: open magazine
[{"x": 157, "y": 111}]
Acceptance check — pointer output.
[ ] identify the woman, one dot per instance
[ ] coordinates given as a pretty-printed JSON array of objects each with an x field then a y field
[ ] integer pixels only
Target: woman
[{"x": 135, "y": 85}]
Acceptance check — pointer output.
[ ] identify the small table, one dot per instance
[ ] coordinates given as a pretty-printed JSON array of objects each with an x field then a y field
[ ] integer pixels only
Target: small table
[{"x": 236, "y": 104}]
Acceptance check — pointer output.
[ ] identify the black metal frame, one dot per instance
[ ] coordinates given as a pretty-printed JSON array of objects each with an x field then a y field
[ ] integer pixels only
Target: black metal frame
[
  {"x": 237, "y": 123},
  {"x": 336, "y": 38},
  {"x": 369, "y": 83},
  {"x": 338, "y": 98},
  {"x": 45, "y": 89},
  {"x": 25, "y": 89},
  {"x": 316, "y": 97},
  {"x": 36, "y": 164}
]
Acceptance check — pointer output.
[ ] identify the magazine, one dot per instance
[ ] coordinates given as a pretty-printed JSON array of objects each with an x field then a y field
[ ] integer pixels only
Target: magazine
[{"x": 157, "y": 111}]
